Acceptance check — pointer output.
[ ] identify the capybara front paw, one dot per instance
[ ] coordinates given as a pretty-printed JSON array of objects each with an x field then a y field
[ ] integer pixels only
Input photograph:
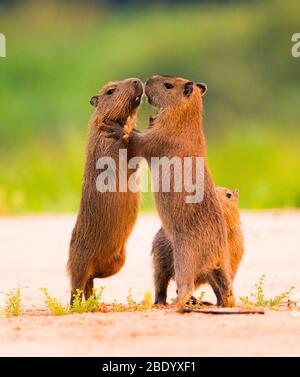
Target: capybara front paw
[{"x": 113, "y": 130}]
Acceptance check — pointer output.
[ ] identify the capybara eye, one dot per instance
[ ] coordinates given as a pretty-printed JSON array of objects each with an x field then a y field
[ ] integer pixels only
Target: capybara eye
[
  {"x": 167, "y": 85},
  {"x": 228, "y": 195},
  {"x": 110, "y": 91}
]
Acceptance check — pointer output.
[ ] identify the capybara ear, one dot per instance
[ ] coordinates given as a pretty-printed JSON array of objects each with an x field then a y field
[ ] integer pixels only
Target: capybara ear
[
  {"x": 188, "y": 88},
  {"x": 203, "y": 87},
  {"x": 94, "y": 101},
  {"x": 236, "y": 193}
]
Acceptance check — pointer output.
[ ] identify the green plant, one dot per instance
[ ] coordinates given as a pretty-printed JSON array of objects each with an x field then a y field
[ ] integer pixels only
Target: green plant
[
  {"x": 117, "y": 306},
  {"x": 89, "y": 305},
  {"x": 200, "y": 297},
  {"x": 132, "y": 305},
  {"x": 55, "y": 305},
  {"x": 258, "y": 297},
  {"x": 13, "y": 303},
  {"x": 237, "y": 125},
  {"x": 198, "y": 304},
  {"x": 278, "y": 300},
  {"x": 130, "y": 301},
  {"x": 146, "y": 304},
  {"x": 78, "y": 305}
]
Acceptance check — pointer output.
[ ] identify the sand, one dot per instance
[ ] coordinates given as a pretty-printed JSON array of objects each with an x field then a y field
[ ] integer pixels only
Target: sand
[{"x": 33, "y": 254}]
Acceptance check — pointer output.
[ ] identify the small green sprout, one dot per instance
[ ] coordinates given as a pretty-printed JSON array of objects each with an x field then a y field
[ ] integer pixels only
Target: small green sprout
[
  {"x": 13, "y": 303},
  {"x": 89, "y": 305},
  {"x": 130, "y": 301},
  {"x": 54, "y": 304},
  {"x": 78, "y": 305},
  {"x": 259, "y": 299},
  {"x": 146, "y": 304}
]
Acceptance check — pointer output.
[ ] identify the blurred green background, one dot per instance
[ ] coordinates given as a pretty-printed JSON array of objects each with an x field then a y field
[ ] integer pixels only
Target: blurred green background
[{"x": 60, "y": 53}]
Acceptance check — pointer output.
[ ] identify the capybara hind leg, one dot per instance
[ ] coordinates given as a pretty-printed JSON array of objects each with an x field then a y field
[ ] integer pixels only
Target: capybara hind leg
[
  {"x": 88, "y": 289},
  {"x": 222, "y": 287},
  {"x": 216, "y": 289},
  {"x": 161, "y": 282},
  {"x": 192, "y": 300},
  {"x": 163, "y": 265},
  {"x": 78, "y": 281},
  {"x": 185, "y": 291},
  {"x": 184, "y": 275}
]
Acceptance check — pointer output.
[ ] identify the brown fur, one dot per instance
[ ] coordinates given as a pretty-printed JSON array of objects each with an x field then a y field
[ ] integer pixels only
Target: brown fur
[
  {"x": 197, "y": 231},
  {"x": 162, "y": 249},
  {"x": 105, "y": 220},
  {"x": 229, "y": 202}
]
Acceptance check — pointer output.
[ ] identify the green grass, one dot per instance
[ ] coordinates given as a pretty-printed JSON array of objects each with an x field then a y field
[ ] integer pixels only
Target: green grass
[
  {"x": 57, "y": 59},
  {"x": 130, "y": 301},
  {"x": 147, "y": 303},
  {"x": 259, "y": 299},
  {"x": 262, "y": 164},
  {"x": 198, "y": 304},
  {"x": 55, "y": 305},
  {"x": 78, "y": 306},
  {"x": 13, "y": 303},
  {"x": 132, "y": 305},
  {"x": 94, "y": 304},
  {"x": 47, "y": 177},
  {"x": 117, "y": 306},
  {"x": 89, "y": 305}
]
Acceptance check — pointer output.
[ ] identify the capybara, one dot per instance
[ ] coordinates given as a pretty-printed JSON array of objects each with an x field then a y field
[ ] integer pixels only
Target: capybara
[
  {"x": 105, "y": 219},
  {"x": 195, "y": 225},
  {"x": 162, "y": 248}
]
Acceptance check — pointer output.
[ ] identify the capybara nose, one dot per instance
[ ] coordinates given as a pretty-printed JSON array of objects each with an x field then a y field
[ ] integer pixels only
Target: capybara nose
[
  {"x": 136, "y": 82},
  {"x": 138, "y": 86},
  {"x": 149, "y": 80}
]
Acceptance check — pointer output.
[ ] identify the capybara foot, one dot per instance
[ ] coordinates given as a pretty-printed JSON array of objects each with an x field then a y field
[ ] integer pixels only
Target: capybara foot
[
  {"x": 176, "y": 305},
  {"x": 180, "y": 301},
  {"x": 206, "y": 303},
  {"x": 160, "y": 299},
  {"x": 193, "y": 301},
  {"x": 229, "y": 302}
]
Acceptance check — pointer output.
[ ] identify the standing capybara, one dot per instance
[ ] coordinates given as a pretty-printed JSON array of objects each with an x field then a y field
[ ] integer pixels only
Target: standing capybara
[
  {"x": 196, "y": 228},
  {"x": 105, "y": 219},
  {"x": 162, "y": 248}
]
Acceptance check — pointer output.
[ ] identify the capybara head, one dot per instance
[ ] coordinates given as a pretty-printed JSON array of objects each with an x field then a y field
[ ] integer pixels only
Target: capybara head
[
  {"x": 229, "y": 195},
  {"x": 170, "y": 91},
  {"x": 118, "y": 100}
]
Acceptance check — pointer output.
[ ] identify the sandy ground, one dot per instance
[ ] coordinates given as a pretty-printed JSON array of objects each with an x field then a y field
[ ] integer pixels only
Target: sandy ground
[{"x": 33, "y": 254}]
